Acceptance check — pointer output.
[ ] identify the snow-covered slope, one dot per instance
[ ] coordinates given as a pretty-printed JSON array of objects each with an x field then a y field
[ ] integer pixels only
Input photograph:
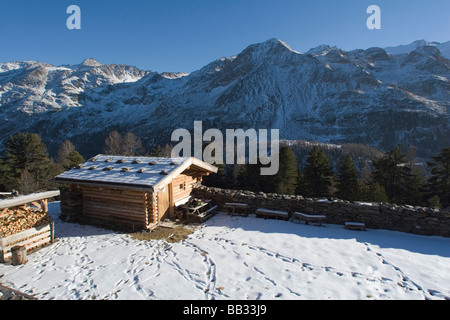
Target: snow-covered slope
[
  {"x": 236, "y": 258},
  {"x": 326, "y": 95},
  {"x": 35, "y": 87}
]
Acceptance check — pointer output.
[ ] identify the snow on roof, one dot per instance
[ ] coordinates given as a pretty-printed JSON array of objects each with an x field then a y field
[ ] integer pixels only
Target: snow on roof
[
  {"x": 18, "y": 201},
  {"x": 135, "y": 171}
]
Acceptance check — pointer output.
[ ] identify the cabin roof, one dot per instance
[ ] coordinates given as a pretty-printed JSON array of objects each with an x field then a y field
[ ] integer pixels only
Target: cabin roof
[{"x": 137, "y": 172}]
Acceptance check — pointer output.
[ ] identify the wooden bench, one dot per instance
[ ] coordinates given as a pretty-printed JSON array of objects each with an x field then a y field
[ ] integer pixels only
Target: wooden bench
[
  {"x": 355, "y": 226},
  {"x": 210, "y": 211},
  {"x": 203, "y": 216},
  {"x": 237, "y": 208},
  {"x": 265, "y": 213},
  {"x": 307, "y": 218}
]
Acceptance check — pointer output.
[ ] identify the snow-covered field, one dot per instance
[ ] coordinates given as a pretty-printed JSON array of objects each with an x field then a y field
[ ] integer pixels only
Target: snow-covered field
[{"x": 236, "y": 258}]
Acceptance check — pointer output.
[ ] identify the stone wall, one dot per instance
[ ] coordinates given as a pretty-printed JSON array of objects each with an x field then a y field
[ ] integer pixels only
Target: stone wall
[{"x": 405, "y": 218}]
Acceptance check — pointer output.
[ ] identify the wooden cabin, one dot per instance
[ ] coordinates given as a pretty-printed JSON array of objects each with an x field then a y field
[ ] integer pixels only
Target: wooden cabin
[{"x": 134, "y": 191}]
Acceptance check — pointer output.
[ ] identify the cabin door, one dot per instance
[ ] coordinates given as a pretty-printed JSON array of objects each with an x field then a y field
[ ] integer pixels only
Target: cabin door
[{"x": 164, "y": 203}]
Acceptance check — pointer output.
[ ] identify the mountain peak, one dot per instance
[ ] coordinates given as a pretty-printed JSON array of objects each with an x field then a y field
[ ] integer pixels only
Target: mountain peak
[
  {"x": 270, "y": 48},
  {"x": 420, "y": 43},
  {"x": 91, "y": 62},
  {"x": 321, "y": 50},
  {"x": 275, "y": 42}
]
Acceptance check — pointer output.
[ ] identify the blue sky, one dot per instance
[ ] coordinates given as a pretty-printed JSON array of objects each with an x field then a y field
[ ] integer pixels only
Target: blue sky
[{"x": 185, "y": 35}]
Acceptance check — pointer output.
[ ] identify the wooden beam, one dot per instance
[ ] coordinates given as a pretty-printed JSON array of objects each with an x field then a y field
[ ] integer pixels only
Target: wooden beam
[{"x": 19, "y": 201}]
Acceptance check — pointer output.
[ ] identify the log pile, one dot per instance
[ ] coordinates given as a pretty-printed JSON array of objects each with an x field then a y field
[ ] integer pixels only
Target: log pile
[
  {"x": 71, "y": 205},
  {"x": 18, "y": 219}
]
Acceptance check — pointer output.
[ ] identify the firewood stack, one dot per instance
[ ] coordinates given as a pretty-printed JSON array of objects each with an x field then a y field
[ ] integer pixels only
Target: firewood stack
[{"x": 18, "y": 219}]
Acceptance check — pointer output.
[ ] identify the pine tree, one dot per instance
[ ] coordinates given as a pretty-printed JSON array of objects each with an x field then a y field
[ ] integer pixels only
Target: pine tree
[
  {"x": 300, "y": 188},
  {"x": 26, "y": 156},
  {"x": 285, "y": 181},
  {"x": 435, "y": 202},
  {"x": 394, "y": 174},
  {"x": 318, "y": 174},
  {"x": 373, "y": 192},
  {"x": 156, "y": 152},
  {"x": 2, "y": 175},
  {"x": 416, "y": 190},
  {"x": 348, "y": 185},
  {"x": 218, "y": 179},
  {"x": 439, "y": 182},
  {"x": 249, "y": 178},
  {"x": 230, "y": 177},
  {"x": 72, "y": 160}
]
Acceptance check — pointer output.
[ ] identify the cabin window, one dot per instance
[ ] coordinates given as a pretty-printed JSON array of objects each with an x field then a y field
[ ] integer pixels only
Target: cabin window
[{"x": 183, "y": 186}]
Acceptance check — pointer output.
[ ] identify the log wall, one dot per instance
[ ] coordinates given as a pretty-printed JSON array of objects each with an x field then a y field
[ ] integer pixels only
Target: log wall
[
  {"x": 182, "y": 186},
  {"x": 116, "y": 206}
]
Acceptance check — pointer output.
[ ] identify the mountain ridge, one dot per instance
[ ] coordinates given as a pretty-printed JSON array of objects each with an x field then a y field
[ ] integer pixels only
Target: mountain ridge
[{"x": 326, "y": 94}]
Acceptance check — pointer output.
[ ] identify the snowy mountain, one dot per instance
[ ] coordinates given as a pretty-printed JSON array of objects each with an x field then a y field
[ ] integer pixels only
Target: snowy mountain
[
  {"x": 444, "y": 48},
  {"x": 326, "y": 95}
]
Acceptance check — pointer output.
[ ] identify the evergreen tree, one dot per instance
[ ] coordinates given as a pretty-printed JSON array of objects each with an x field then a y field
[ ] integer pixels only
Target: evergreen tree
[
  {"x": 249, "y": 178},
  {"x": 348, "y": 185},
  {"x": 285, "y": 181},
  {"x": 394, "y": 174},
  {"x": 156, "y": 152},
  {"x": 300, "y": 189},
  {"x": 218, "y": 179},
  {"x": 2, "y": 175},
  {"x": 72, "y": 160},
  {"x": 439, "y": 182},
  {"x": 416, "y": 189},
  {"x": 26, "y": 156},
  {"x": 435, "y": 202},
  {"x": 318, "y": 174},
  {"x": 230, "y": 177},
  {"x": 373, "y": 192}
]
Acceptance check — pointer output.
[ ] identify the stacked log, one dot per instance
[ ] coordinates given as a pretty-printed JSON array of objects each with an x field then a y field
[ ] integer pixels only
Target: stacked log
[
  {"x": 15, "y": 220},
  {"x": 71, "y": 204}
]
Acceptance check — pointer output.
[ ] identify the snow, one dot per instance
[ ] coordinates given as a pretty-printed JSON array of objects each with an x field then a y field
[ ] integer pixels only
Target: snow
[
  {"x": 365, "y": 203},
  {"x": 149, "y": 177},
  {"x": 444, "y": 48},
  {"x": 236, "y": 258}
]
